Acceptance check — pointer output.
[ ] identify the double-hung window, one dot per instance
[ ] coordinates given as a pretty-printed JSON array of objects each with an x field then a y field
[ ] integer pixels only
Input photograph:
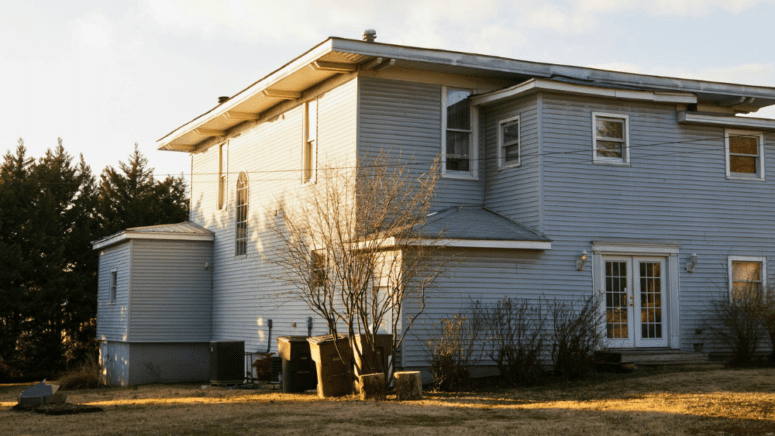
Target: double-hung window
[
  {"x": 745, "y": 154},
  {"x": 747, "y": 276},
  {"x": 610, "y": 140},
  {"x": 508, "y": 142},
  {"x": 241, "y": 223},
  {"x": 309, "y": 152},
  {"x": 459, "y": 121}
]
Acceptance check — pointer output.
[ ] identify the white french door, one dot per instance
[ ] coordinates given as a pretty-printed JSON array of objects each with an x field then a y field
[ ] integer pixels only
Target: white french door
[{"x": 635, "y": 290}]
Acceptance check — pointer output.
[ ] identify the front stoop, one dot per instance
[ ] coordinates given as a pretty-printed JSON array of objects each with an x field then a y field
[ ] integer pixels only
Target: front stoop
[{"x": 655, "y": 357}]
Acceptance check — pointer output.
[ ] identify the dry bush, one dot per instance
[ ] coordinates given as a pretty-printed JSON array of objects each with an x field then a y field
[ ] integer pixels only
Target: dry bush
[
  {"x": 263, "y": 367},
  {"x": 768, "y": 319},
  {"x": 453, "y": 349},
  {"x": 577, "y": 335},
  {"x": 86, "y": 376},
  {"x": 739, "y": 323},
  {"x": 515, "y": 339}
]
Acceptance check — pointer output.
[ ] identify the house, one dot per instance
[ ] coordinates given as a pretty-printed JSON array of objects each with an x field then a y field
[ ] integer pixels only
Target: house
[{"x": 557, "y": 181}]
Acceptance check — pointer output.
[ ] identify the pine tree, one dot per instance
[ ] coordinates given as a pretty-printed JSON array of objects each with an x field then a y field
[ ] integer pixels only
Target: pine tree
[{"x": 131, "y": 197}]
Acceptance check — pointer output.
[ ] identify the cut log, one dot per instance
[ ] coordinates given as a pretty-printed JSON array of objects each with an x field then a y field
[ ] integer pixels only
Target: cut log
[
  {"x": 372, "y": 386},
  {"x": 408, "y": 385}
]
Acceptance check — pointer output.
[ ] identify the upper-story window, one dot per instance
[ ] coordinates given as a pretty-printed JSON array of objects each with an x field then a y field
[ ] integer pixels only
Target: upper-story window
[
  {"x": 241, "y": 235},
  {"x": 747, "y": 276},
  {"x": 113, "y": 286},
  {"x": 309, "y": 152},
  {"x": 508, "y": 142},
  {"x": 222, "y": 173},
  {"x": 459, "y": 135},
  {"x": 610, "y": 140},
  {"x": 745, "y": 154}
]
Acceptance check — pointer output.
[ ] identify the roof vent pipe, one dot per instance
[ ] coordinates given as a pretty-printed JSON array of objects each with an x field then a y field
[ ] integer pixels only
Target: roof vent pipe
[
  {"x": 369, "y": 35},
  {"x": 223, "y": 99}
]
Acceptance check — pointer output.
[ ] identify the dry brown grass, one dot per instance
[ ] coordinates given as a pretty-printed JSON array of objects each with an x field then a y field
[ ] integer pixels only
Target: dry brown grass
[{"x": 669, "y": 403}]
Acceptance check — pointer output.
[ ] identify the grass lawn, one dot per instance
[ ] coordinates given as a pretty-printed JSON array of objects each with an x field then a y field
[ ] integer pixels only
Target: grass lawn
[{"x": 715, "y": 402}]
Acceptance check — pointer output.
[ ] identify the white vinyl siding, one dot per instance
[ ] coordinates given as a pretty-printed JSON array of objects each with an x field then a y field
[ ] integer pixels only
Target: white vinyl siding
[
  {"x": 113, "y": 311},
  {"x": 246, "y": 289},
  {"x": 674, "y": 192},
  {"x": 404, "y": 119},
  {"x": 171, "y": 299}
]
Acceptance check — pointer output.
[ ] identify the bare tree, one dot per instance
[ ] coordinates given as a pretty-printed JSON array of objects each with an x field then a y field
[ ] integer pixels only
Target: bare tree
[{"x": 353, "y": 249}]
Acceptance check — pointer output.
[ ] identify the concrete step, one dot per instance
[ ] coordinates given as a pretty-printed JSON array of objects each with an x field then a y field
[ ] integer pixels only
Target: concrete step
[{"x": 653, "y": 357}]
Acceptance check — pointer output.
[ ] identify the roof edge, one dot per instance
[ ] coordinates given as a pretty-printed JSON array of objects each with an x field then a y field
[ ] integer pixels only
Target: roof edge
[{"x": 300, "y": 61}]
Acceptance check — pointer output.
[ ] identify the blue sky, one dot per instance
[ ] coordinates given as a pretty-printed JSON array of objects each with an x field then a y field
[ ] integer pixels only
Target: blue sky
[{"x": 106, "y": 75}]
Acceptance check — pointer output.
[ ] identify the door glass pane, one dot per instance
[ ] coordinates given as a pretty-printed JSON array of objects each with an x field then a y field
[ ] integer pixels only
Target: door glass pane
[
  {"x": 651, "y": 300},
  {"x": 616, "y": 300}
]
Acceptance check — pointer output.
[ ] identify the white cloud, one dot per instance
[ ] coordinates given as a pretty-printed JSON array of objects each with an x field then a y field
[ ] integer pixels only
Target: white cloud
[{"x": 93, "y": 31}]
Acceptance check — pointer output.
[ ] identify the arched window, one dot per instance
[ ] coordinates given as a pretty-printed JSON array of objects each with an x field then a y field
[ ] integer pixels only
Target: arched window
[{"x": 241, "y": 235}]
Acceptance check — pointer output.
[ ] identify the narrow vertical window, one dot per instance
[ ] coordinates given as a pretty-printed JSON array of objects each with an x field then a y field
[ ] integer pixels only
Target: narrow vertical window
[
  {"x": 222, "y": 172},
  {"x": 456, "y": 117},
  {"x": 241, "y": 235},
  {"x": 113, "y": 286},
  {"x": 318, "y": 273},
  {"x": 508, "y": 142},
  {"x": 310, "y": 142}
]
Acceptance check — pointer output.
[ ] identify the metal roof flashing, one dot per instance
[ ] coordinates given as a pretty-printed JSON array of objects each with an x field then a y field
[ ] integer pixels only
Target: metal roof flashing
[{"x": 304, "y": 71}]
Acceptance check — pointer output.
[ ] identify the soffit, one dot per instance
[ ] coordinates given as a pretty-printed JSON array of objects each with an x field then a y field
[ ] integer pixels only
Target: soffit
[{"x": 301, "y": 74}]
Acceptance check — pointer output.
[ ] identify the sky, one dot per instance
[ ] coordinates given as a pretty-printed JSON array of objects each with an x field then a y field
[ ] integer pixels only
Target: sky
[{"x": 106, "y": 75}]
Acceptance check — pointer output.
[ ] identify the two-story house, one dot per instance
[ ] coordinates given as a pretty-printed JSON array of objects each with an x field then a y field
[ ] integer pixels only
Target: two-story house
[{"x": 556, "y": 182}]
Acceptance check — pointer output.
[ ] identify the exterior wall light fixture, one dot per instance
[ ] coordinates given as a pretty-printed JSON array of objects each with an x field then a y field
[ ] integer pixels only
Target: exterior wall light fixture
[
  {"x": 692, "y": 263},
  {"x": 581, "y": 262}
]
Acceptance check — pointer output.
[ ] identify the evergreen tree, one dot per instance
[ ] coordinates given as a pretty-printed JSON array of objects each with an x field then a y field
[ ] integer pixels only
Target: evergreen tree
[
  {"x": 48, "y": 221},
  {"x": 131, "y": 197}
]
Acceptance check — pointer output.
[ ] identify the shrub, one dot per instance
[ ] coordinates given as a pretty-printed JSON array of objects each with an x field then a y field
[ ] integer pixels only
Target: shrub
[
  {"x": 88, "y": 375},
  {"x": 263, "y": 367},
  {"x": 515, "y": 339},
  {"x": 453, "y": 350},
  {"x": 577, "y": 335},
  {"x": 738, "y": 323},
  {"x": 768, "y": 319}
]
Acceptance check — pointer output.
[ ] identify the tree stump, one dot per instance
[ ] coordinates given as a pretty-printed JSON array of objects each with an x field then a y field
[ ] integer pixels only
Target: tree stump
[
  {"x": 372, "y": 386},
  {"x": 408, "y": 385}
]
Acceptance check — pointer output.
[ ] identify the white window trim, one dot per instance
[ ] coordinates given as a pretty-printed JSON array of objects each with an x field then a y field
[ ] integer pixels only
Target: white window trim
[
  {"x": 113, "y": 286},
  {"x": 473, "y": 153},
  {"x": 625, "y": 159},
  {"x": 223, "y": 175},
  {"x": 501, "y": 154},
  {"x": 740, "y": 176},
  {"x": 730, "y": 271},
  {"x": 314, "y": 141}
]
